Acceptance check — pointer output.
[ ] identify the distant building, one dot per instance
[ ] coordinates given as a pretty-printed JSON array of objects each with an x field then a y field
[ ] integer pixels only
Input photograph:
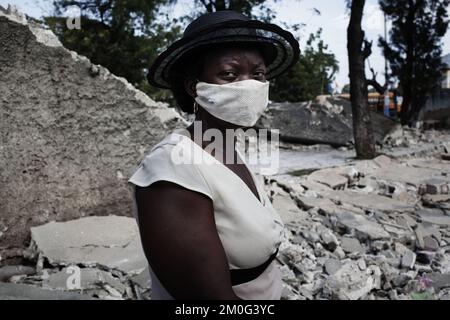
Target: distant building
[{"x": 446, "y": 78}]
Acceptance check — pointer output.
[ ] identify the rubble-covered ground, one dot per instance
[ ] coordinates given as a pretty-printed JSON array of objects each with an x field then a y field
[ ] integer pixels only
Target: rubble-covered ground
[
  {"x": 365, "y": 229},
  {"x": 371, "y": 229}
]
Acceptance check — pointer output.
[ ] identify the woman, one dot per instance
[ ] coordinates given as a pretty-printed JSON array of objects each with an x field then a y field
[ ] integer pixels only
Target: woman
[{"x": 207, "y": 228}]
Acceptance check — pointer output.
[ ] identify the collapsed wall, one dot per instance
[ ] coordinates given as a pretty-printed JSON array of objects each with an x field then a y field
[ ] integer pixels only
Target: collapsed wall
[
  {"x": 326, "y": 120},
  {"x": 70, "y": 133}
]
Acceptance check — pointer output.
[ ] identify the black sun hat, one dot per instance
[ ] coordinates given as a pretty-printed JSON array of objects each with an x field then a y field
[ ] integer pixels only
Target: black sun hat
[{"x": 280, "y": 47}]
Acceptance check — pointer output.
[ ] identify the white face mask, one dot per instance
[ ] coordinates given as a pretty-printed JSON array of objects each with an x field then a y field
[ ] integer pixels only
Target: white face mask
[{"x": 240, "y": 103}]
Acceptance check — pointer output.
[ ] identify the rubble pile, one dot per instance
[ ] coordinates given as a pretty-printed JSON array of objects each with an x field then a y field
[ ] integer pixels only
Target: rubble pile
[
  {"x": 376, "y": 229},
  {"x": 87, "y": 258},
  {"x": 373, "y": 229},
  {"x": 327, "y": 120}
]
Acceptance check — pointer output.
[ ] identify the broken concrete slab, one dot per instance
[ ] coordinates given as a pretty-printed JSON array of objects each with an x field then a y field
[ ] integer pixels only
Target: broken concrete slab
[
  {"x": 7, "y": 272},
  {"x": 435, "y": 186},
  {"x": 323, "y": 204},
  {"x": 352, "y": 245},
  {"x": 404, "y": 174},
  {"x": 14, "y": 291},
  {"x": 363, "y": 226},
  {"x": 287, "y": 208},
  {"x": 408, "y": 259},
  {"x": 351, "y": 283},
  {"x": 143, "y": 279},
  {"x": 434, "y": 216},
  {"x": 371, "y": 202},
  {"x": 430, "y": 243},
  {"x": 330, "y": 178},
  {"x": 329, "y": 240},
  {"x": 439, "y": 280},
  {"x": 89, "y": 279},
  {"x": 437, "y": 200},
  {"x": 430, "y": 163},
  {"x": 332, "y": 266},
  {"x": 111, "y": 241},
  {"x": 311, "y": 117}
]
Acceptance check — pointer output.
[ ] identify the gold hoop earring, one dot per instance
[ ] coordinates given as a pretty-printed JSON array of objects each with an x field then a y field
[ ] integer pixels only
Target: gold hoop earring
[{"x": 195, "y": 107}]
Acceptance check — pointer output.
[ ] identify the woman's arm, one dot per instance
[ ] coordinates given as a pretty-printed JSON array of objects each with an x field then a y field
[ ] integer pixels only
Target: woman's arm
[{"x": 180, "y": 240}]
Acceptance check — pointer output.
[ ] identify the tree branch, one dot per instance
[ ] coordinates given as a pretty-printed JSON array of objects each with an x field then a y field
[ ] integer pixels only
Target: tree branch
[
  {"x": 374, "y": 83},
  {"x": 367, "y": 49}
]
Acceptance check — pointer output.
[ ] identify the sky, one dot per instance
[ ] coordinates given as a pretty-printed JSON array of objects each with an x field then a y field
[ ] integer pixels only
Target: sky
[{"x": 333, "y": 19}]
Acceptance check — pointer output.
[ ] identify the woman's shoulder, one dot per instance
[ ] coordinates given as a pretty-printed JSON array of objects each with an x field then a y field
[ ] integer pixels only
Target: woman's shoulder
[{"x": 171, "y": 160}]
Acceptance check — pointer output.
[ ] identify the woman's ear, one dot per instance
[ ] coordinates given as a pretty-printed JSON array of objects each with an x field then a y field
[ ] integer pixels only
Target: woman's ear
[{"x": 189, "y": 86}]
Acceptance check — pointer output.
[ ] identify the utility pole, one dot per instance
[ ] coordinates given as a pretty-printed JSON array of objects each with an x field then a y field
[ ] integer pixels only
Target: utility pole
[{"x": 386, "y": 91}]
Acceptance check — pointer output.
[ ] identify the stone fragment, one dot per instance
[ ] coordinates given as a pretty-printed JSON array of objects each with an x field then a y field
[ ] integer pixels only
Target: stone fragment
[
  {"x": 287, "y": 209},
  {"x": 14, "y": 291},
  {"x": 7, "y": 272},
  {"x": 351, "y": 283},
  {"x": 434, "y": 216},
  {"x": 364, "y": 227},
  {"x": 110, "y": 241},
  {"x": 90, "y": 278},
  {"x": 436, "y": 186},
  {"x": 329, "y": 240},
  {"x": 439, "y": 281},
  {"x": 330, "y": 178},
  {"x": 430, "y": 244},
  {"x": 332, "y": 266},
  {"x": 408, "y": 259},
  {"x": 351, "y": 245}
]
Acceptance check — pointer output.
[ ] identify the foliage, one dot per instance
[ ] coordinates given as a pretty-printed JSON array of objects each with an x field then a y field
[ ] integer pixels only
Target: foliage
[
  {"x": 414, "y": 49},
  {"x": 126, "y": 36},
  {"x": 122, "y": 35},
  {"x": 311, "y": 76}
]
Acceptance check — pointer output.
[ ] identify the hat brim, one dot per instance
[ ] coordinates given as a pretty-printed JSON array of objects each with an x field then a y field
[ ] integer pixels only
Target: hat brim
[{"x": 284, "y": 46}]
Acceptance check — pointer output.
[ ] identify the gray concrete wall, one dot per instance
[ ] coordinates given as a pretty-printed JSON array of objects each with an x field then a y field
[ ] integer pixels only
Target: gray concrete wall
[{"x": 71, "y": 133}]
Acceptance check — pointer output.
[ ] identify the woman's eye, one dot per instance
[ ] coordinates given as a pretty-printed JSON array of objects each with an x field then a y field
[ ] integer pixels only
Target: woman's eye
[
  {"x": 260, "y": 74},
  {"x": 229, "y": 74}
]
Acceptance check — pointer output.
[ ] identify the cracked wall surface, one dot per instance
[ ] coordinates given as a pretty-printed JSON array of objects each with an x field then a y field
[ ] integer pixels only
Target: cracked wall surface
[{"x": 71, "y": 133}]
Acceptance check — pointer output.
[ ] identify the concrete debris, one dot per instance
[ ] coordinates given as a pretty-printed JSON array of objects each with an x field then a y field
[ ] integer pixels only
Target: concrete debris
[
  {"x": 7, "y": 272},
  {"x": 92, "y": 257},
  {"x": 408, "y": 259},
  {"x": 352, "y": 245},
  {"x": 355, "y": 229},
  {"x": 110, "y": 241},
  {"x": 332, "y": 266},
  {"x": 369, "y": 232},
  {"x": 304, "y": 122},
  {"x": 71, "y": 132},
  {"x": 364, "y": 228},
  {"x": 329, "y": 178},
  {"x": 13, "y": 291},
  {"x": 289, "y": 211},
  {"x": 351, "y": 283}
]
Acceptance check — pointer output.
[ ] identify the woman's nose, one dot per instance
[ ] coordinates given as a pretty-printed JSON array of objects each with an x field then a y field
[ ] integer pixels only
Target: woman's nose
[{"x": 246, "y": 76}]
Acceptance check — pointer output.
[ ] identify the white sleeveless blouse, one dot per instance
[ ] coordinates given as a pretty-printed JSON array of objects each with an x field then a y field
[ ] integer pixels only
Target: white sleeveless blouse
[{"x": 250, "y": 230}]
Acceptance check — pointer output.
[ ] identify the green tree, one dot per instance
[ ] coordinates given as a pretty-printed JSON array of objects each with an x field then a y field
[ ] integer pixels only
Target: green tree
[
  {"x": 257, "y": 9},
  {"x": 414, "y": 49},
  {"x": 310, "y": 77},
  {"x": 122, "y": 35}
]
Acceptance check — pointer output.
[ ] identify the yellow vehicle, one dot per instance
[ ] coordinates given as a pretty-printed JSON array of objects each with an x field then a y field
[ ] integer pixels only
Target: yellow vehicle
[{"x": 376, "y": 101}]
